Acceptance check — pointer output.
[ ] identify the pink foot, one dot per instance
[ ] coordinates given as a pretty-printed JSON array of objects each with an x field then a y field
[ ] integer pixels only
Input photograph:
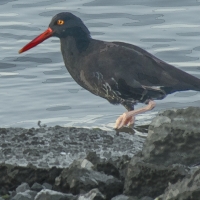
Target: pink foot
[{"x": 128, "y": 118}]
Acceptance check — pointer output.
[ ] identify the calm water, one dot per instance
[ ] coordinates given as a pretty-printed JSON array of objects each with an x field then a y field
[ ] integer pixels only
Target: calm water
[{"x": 36, "y": 85}]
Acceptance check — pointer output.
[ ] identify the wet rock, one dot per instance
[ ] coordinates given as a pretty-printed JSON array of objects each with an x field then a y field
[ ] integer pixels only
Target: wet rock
[
  {"x": 22, "y": 188},
  {"x": 46, "y": 147},
  {"x": 27, "y": 195},
  {"x": 186, "y": 189},
  {"x": 171, "y": 145},
  {"x": 93, "y": 194},
  {"x": 47, "y": 186},
  {"x": 145, "y": 179},
  {"x": 53, "y": 195},
  {"x": 80, "y": 178},
  {"x": 37, "y": 187},
  {"x": 173, "y": 137}
]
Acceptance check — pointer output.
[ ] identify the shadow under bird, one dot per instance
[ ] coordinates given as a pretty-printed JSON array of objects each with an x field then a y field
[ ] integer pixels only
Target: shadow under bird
[{"x": 120, "y": 72}]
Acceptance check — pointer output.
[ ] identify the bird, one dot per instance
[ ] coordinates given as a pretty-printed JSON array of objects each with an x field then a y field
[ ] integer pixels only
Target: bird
[{"x": 119, "y": 72}]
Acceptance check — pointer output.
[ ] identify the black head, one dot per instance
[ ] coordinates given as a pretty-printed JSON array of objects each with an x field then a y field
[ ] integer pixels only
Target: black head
[
  {"x": 63, "y": 25},
  {"x": 66, "y": 24}
]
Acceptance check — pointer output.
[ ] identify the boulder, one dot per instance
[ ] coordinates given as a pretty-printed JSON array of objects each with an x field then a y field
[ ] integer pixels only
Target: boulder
[
  {"x": 173, "y": 138},
  {"x": 146, "y": 179}
]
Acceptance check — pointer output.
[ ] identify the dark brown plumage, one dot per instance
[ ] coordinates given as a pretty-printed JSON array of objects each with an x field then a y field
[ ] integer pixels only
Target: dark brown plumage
[{"x": 119, "y": 72}]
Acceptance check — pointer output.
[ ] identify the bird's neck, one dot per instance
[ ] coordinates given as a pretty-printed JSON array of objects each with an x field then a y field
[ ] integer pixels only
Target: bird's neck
[
  {"x": 73, "y": 50},
  {"x": 79, "y": 35},
  {"x": 74, "y": 45}
]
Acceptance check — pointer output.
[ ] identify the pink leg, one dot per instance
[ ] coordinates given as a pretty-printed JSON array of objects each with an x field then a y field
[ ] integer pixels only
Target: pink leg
[{"x": 128, "y": 117}]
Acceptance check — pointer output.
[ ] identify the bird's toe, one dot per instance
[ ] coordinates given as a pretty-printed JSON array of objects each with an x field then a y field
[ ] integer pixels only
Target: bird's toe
[{"x": 123, "y": 120}]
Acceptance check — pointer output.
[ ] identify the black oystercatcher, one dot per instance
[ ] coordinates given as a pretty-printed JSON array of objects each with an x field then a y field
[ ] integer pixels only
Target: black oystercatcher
[{"x": 119, "y": 72}]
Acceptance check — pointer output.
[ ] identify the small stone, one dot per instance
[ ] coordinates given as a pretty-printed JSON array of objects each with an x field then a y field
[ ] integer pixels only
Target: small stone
[
  {"x": 93, "y": 194},
  {"x": 86, "y": 164},
  {"x": 120, "y": 197},
  {"x": 124, "y": 197},
  {"x": 37, "y": 187},
  {"x": 22, "y": 188},
  {"x": 53, "y": 195}
]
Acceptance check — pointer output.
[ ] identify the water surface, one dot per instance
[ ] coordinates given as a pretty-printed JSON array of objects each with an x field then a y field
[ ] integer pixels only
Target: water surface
[{"x": 36, "y": 85}]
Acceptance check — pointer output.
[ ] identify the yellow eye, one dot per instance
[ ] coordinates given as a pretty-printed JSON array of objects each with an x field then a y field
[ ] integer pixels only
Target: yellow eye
[{"x": 60, "y": 22}]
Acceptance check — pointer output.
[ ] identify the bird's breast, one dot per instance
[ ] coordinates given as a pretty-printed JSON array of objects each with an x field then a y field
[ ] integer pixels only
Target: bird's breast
[{"x": 85, "y": 82}]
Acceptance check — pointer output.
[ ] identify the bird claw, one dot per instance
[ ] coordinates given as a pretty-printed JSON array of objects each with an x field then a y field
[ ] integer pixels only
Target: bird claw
[
  {"x": 123, "y": 120},
  {"x": 129, "y": 117}
]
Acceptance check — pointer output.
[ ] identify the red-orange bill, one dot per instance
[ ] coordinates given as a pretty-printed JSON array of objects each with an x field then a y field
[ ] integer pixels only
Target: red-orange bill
[{"x": 45, "y": 35}]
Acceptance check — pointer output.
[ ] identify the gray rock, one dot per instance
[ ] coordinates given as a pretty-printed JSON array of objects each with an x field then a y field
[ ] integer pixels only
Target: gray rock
[
  {"x": 93, "y": 194},
  {"x": 53, "y": 195},
  {"x": 79, "y": 179},
  {"x": 47, "y": 186},
  {"x": 37, "y": 187},
  {"x": 186, "y": 189},
  {"x": 22, "y": 188},
  {"x": 1, "y": 198},
  {"x": 27, "y": 195},
  {"x": 173, "y": 137},
  {"x": 145, "y": 179}
]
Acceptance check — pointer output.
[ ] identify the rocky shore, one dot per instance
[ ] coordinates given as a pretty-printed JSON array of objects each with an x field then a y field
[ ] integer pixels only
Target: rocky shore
[{"x": 58, "y": 163}]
